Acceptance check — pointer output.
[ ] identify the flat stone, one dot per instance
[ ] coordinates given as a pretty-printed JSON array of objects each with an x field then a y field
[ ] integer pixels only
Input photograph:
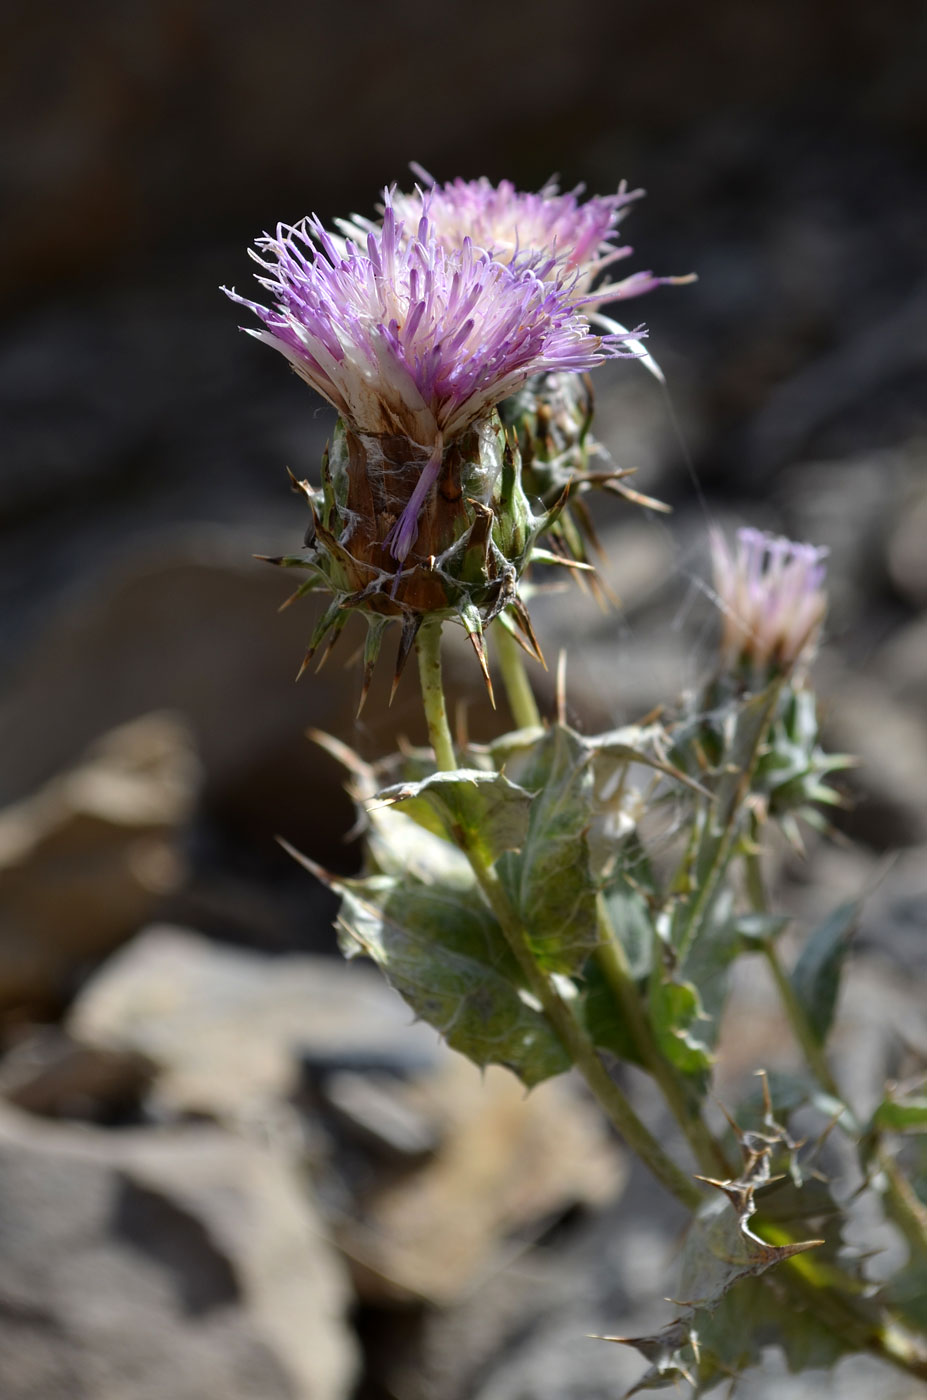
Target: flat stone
[{"x": 231, "y": 1030}]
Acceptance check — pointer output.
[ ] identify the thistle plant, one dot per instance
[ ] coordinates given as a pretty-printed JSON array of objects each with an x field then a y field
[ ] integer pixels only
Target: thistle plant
[{"x": 515, "y": 894}]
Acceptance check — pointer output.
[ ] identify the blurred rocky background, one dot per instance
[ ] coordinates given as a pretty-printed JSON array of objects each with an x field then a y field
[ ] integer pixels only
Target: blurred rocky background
[{"x": 228, "y": 1165}]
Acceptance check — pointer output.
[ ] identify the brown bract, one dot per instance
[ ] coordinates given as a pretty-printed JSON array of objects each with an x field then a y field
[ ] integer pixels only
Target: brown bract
[{"x": 382, "y": 473}]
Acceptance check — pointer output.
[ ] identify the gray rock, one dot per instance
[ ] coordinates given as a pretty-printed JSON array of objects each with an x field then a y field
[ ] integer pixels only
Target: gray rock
[
  {"x": 506, "y": 1165},
  {"x": 372, "y": 1109},
  {"x": 189, "y": 625},
  {"x": 902, "y": 663},
  {"x": 889, "y": 738},
  {"x": 846, "y": 506},
  {"x": 527, "y": 1325},
  {"x": 230, "y": 1029},
  {"x": 140, "y": 1265}
]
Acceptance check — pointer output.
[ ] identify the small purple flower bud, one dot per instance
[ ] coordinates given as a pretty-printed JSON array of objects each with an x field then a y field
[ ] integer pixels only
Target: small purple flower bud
[{"x": 771, "y": 595}]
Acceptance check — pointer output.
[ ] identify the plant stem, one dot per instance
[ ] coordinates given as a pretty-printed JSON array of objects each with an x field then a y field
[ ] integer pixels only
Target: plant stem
[
  {"x": 901, "y": 1202},
  {"x": 812, "y": 1051},
  {"x": 808, "y": 1284},
  {"x": 428, "y": 649},
  {"x": 580, "y": 1049},
  {"x": 583, "y": 1053},
  {"x": 613, "y": 963},
  {"x": 518, "y": 690},
  {"x": 732, "y": 791}
]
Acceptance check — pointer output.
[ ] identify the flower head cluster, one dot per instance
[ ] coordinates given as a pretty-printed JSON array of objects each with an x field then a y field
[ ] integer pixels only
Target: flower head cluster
[
  {"x": 408, "y": 336},
  {"x": 772, "y": 599},
  {"x": 516, "y": 227}
]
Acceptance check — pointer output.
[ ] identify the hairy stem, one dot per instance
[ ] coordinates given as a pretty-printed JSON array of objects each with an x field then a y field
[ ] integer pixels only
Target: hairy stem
[{"x": 518, "y": 690}]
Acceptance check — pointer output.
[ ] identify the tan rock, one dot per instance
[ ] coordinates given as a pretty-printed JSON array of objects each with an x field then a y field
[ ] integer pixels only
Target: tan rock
[
  {"x": 84, "y": 860},
  {"x": 508, "y": 1163}
]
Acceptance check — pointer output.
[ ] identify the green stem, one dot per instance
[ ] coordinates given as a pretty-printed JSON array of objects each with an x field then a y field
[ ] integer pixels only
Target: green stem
[
  {"x": 583, "y": 1053},
  {"x": 613, "y": 963},
  {"x": 829, "y": 1306},
  {"x": 734, "y": 788},
  {"x": 812, "y": 1051},
  {"x": 801, "y": 1029},
  {"x": 580, "y": 1049},
  {"x": 428, "y": 649},
  {"x": 901, "y": 1202},
  {"x": 518, "y": 690}
]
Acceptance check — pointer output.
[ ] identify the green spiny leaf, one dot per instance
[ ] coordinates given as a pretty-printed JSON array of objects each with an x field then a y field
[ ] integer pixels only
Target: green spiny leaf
[
  {"x": 730, "y": 1313},
  {"x": 549, "y": 880},
  {"x": 636, "y": 744},
  {"x": 447, "y": 957},
  {"x": 755, "y": 931},
  {"x": 399, "y": 846}
]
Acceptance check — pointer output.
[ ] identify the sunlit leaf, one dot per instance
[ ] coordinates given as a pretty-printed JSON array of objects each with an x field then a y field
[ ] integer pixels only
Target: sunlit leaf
[
  {"x": 484, "y": 810},
  {"x": 448, "y": 958}
]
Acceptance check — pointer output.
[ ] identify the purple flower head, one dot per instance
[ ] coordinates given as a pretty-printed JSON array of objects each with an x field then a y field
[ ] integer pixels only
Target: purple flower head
[
  {"x": 772, "y": 598},
  {"x": 515, "y": 226},
  {"x": 408, "y": 336}
]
